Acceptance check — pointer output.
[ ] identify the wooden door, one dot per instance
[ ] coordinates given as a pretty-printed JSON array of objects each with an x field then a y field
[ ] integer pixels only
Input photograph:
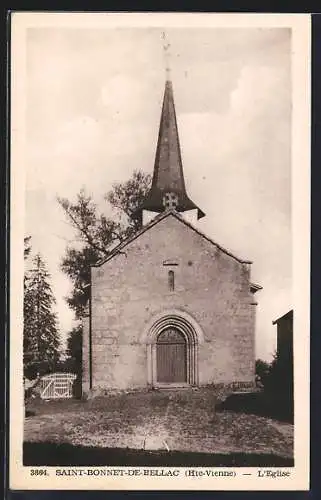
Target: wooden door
[{"x": 171, "y": 357}]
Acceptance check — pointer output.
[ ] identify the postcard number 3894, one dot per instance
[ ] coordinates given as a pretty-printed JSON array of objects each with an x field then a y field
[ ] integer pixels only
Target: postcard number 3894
[{"x": 39, "y": 472}]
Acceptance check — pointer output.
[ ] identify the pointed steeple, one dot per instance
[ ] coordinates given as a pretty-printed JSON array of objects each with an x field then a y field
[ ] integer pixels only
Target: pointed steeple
[{"x": 168, "y": 185}]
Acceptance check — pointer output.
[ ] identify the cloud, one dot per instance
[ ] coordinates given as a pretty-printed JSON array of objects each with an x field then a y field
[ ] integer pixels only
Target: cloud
[
  {"x": 243, "y": 182},
  {"x": 94, "y": 101}
]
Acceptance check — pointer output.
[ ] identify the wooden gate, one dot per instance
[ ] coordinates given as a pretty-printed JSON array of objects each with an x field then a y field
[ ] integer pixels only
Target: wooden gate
[
  {"x": 57, "y": 385},
  {"x": 171, "y": 357}
]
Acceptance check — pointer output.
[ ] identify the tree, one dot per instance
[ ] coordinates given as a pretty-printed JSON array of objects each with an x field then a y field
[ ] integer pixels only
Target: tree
[
  {"x": 27, "y": 247},
  {"x": 262, "y": 371},
  {"x": 127, "y": 197},
  {"x": 26, "y": 252},
  {"x": 277, "y": 381},
  {"x": 74, "y": 350},
  {"x": 96, "y": 232},
  {"x": 40, "y": 336},
  {"x": 279, "y": 384}
]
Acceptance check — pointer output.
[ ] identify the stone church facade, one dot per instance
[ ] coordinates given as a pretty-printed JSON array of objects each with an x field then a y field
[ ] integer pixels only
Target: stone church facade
[{"x": 169, "y": 307}]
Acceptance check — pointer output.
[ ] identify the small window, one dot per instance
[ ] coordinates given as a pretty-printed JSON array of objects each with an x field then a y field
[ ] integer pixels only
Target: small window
[{"x": 171, "y": 280}]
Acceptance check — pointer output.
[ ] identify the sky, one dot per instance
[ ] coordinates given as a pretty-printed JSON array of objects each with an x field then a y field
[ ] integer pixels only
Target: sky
[{"x": 93, "y": 104}]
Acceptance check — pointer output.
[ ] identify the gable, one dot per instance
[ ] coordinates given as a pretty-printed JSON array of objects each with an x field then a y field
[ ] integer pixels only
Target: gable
[
  {"x": 171, "y": 244},
  {"x": 171, "y": 214}
]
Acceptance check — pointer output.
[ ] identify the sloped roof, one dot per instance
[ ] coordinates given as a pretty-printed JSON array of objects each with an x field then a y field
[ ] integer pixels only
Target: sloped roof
[
  {"x": 255, "y": 287},
  {"x": 155, "y": 221},
  {"x": 289, "y": 314}
]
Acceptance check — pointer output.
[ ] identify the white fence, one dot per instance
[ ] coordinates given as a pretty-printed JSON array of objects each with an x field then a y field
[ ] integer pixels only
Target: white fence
[{"x": 57, "y": 386}]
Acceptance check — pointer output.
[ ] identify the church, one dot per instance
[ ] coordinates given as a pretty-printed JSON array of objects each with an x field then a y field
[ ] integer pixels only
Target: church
[{"x": 169, "y": 307}]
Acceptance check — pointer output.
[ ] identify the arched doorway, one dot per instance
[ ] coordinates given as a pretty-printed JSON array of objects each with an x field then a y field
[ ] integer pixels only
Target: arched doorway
[
  {"x": 172, "y": 338},
  {"x": 171, "y": 357}
]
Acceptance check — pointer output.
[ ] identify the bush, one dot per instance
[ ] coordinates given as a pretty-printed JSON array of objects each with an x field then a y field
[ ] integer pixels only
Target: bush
[
  {"x": 277, "y": 381},
  {"x": 31, "y": 388},
  {"x": 262, "y": 371}
]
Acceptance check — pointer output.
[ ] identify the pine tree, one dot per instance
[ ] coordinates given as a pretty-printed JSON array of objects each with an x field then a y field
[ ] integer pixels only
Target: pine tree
[
  {"x": 27, "y": 247},
  {"x": 41, "y": 337}
]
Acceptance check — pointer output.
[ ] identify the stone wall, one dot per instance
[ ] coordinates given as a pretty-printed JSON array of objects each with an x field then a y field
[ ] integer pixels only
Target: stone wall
[
  {"x": 85, "y": 355},
  {"x": 132, "y": 287}
]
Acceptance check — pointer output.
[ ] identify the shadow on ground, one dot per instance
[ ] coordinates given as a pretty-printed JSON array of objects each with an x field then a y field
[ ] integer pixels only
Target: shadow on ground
[
  {"x": 30, "y": 413},
  {"x": 53, "y": 454},
  {"x": 258, "y": 404}
]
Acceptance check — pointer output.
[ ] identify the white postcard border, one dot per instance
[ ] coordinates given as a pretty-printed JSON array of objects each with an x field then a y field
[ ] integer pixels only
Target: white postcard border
[{"x": 20, "y": 476}]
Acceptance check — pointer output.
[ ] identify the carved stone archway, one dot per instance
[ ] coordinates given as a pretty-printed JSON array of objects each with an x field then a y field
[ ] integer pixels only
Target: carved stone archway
[{"x": 183, "y": 323}]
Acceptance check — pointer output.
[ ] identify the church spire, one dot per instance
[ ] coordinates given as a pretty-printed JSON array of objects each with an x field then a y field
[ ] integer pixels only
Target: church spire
[{"x": 168, "y": 185}]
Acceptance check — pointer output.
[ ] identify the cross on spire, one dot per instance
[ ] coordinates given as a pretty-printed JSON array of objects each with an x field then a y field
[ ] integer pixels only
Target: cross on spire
[
  {"x": 168, "y": 190},
  {"x": 166, "y": 48}
]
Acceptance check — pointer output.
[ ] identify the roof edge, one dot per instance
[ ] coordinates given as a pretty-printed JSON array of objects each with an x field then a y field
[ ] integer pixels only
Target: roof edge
[
  {"x": 152, "y": 203},
  {"x": 155, "y": 221},
  {"x": 121, "y": 245},
  {"x": 228, "y": 252},
  {"x": 283, "y": 316},
  {"x": 255, "y": 287}
]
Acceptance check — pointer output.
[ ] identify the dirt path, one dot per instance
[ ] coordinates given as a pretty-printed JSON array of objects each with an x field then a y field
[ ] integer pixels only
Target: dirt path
[
  {"x": 285, "y": 429},
  {"x": 180, "y": 421}
]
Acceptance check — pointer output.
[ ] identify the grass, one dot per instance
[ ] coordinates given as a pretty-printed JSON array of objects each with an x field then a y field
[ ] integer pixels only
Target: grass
[{"x": 129, "y": 428}]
